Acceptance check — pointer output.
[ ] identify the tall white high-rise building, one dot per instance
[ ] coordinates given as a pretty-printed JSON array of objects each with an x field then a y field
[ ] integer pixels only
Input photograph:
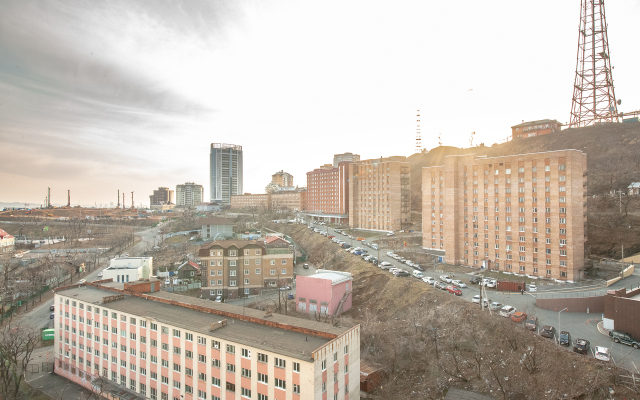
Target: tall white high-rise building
[
  {"x": 189, "y": 194},
  {"x": 225, "y": 172}
]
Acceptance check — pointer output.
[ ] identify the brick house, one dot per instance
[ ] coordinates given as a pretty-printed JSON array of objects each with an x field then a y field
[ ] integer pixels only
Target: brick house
[{"x": 242, "y": 268}]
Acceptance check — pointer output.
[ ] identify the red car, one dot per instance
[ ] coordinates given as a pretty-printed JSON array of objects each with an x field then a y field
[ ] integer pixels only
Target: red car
[
  {"x": 454, "y": 290},
  {"x": 330, "y": 236}
]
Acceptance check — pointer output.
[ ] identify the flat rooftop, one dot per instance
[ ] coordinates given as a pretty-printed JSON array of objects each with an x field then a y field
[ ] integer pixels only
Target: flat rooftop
[
  {"x": 332, "y": 276},
  {"x": 270, "y": 338}
]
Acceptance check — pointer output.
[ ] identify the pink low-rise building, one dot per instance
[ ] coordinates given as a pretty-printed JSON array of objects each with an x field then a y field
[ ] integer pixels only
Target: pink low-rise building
[{"x": 325, "y": 292}]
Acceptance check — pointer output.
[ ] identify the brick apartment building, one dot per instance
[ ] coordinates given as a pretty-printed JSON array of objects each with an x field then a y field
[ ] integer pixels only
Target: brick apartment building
[
  {"x": 294, "y": 200},
  {"x": 535, "y": 128},
  {"x": 250, "y": 200},
  {"x": 161, "y": 196},
  {"x": 328, "y": 193},
  {"x": 524, "y": 213},
  {"x": 241, "y": 268},
  {"x": 379, "y": 194},
  {"x": 289, "y": 200},
  {"x": 129, "y": 343}
]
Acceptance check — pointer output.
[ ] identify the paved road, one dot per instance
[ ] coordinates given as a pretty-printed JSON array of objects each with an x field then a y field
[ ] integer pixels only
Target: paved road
[
  {"x": 579, "y": 325},
  {"x": 38, "y": 317}
]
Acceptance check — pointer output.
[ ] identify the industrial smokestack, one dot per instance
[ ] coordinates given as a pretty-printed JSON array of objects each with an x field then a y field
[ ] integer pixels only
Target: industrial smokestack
[
  {"x": 118, "y": 206},
  {"x": 68, "y": 197},
  {"x": 48, "y": 197}
]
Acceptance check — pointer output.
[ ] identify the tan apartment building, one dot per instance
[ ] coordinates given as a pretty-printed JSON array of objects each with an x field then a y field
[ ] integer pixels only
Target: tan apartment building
[
  {"x": 282, "y": 178},
  {"x": 133, "y": 341},
  {"x": 349, "y": 157},
  {"x": 242, "y": 268},
  {"x": 328, "y": 193},
  {"x": 379, "y": 194},
  {"x": 250, "y": 200},
  {"x": 289, "y": 200},
  {"x": 523, "y": 214},
  {"x": 295, "y": 200}
]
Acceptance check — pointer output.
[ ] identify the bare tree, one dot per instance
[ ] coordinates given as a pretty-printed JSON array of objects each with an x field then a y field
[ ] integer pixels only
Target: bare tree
[{"x": 17, "y": 344}]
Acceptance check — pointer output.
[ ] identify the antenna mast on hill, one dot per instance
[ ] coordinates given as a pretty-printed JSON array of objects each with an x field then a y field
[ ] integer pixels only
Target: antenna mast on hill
[
  {"x": 439, "y": 139},
  {"x": 418, "y": 135},
  {"x": 594, "y": 98},
  {"x": 471, "y": 139}
]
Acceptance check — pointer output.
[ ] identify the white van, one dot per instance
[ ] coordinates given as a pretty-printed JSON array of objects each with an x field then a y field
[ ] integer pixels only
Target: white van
[{"x": 417, "y": 274}]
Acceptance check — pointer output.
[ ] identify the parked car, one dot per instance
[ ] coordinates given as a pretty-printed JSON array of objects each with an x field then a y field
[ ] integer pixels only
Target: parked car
[
  {"x": 564, "y": 338},
  {"x": 581, "y": 346},
  {"x": 602, "y": 353},
  {"x": 52, "y": 315},
  {"x": 477, "y": 299},
  {"x": 402, "y": 273},
  {"x": 428, "y": 279},
  {"x": 417, "y": 274},
  {"x": 475, "y": 280},
  {"x": 532, "y": 323},
  {"x": 445, "y": 278},
  {"x": 518, "y": 316},
  {"x": 218, "y": 299},
  {"x": 459, "y": 283},
  {"x": 390, "y": 234},
  {"x": 374, "y": 246},
  {"x": 389, "y": 253},
  {"x": 507, "y": 311},
  {"x": 306, "y": 266},
  {"x": 490, "y": 283},
  {"x": 418, "y": 267},
  {"x": 360, "y": 239},
  {"x": 624, "y": 338},
  {"x": 385, "y": 265},
  {"x": 285, "y": 288},
  {"x": 548, "y": 331},
  {"x": 81, "y": 281},
  {"x": 440, "y": 285},
  {"x": 494, "y": 306},
  {"x": 533, "y": 288},
  {"x": 454, "y": 290},
  {"x": 52, "y": 308}
]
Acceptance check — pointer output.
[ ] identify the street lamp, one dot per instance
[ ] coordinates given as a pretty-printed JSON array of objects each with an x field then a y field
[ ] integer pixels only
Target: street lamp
[{"x": 564, "y": 309}]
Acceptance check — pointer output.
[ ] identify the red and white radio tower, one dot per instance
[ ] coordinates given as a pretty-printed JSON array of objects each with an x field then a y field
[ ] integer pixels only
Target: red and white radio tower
[{"x": 594, "y": 98}]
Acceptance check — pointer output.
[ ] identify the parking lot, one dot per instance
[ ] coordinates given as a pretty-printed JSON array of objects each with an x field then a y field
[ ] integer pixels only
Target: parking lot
[{"x": 579, "y": 325}]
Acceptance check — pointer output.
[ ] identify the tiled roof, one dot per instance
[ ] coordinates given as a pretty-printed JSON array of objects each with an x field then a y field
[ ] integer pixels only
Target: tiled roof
[{"x": 4, "y": 235}]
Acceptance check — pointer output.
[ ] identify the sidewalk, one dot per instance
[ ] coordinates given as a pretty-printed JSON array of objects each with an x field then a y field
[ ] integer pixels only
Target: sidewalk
[{"x": 50, "y": 383}]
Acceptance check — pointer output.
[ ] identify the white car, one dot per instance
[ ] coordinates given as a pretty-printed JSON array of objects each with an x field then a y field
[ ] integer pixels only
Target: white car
[
  {"x": 459, "y": 283},
  {"x": 602, "y": 353},
  {"x": 81, "y": 281},
  {"x": 100, "y": 275},
  {"x": 533, "y": 288},
  {"x": 445, "y": 278},
  {"x": 507, "y": 311},
  {"x": 385, "y": 265},
  {"x": 429, "y": 280},
  {"x": 394, "y": 269},
  {"x": 476, "y": 299},
  {"x": 390, "y": 234},
  {"x": 390, "y": 253},
  {"x": 490, "y": 283}
]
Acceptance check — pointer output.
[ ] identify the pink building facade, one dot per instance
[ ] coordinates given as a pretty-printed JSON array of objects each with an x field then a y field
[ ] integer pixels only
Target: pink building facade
[{"x": 324, "y": 293}]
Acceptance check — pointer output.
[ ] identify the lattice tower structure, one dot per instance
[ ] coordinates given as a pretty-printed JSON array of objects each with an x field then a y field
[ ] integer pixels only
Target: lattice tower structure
[{"x": 594, "y": 98}]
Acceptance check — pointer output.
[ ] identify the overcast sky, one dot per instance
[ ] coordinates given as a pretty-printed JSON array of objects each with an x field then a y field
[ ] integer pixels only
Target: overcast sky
[{"x": 129, "y": 95}]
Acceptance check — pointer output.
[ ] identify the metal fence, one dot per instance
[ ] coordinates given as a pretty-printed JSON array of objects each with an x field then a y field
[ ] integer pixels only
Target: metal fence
[{"x": 182, "y": 288}]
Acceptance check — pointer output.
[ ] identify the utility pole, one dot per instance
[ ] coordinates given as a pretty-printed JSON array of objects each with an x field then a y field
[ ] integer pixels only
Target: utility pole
[{"x": 564, "y": 309}]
